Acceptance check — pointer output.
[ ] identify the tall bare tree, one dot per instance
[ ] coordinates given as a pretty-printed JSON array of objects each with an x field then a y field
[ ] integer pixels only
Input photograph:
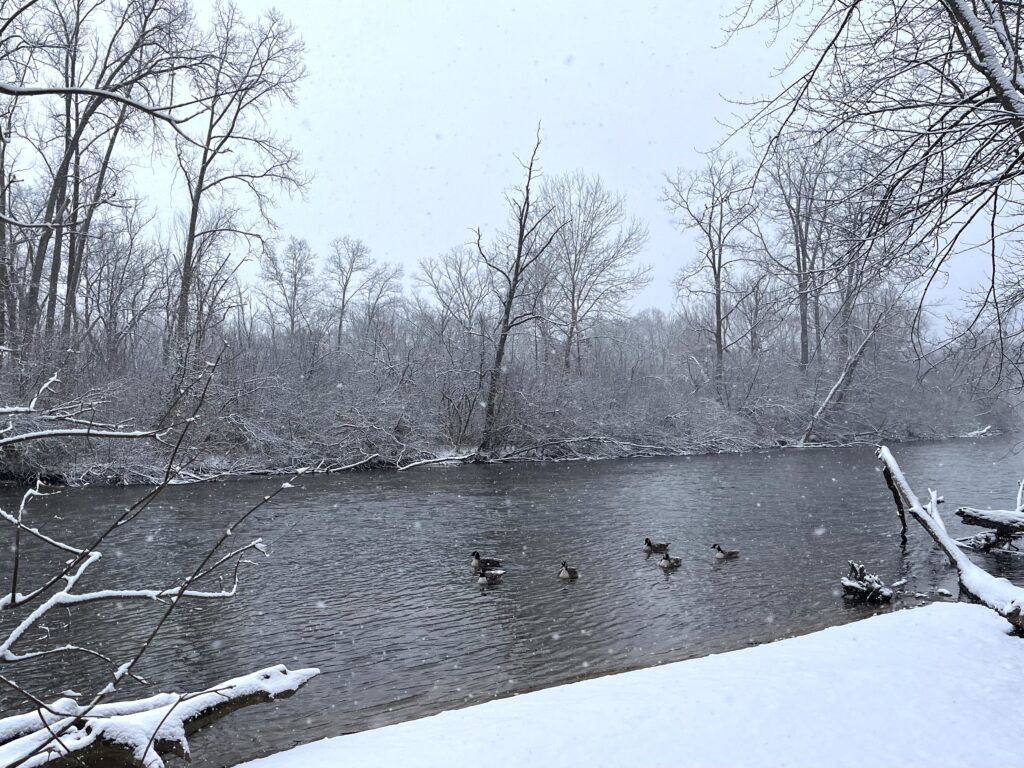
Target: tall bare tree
[
  {"x": 251, "y": 66},
  {"x": 289, "y": 284},
  {"x": 592, "y": 257},
  {"x": 349, "y": 267},
  {"x": 714, "y": 201},
  {"x": 531, "y": 232}
]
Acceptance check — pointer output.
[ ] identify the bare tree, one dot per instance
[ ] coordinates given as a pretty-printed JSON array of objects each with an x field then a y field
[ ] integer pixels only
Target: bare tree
[
  {"x": 144, "y": 50},
  {"x": 715, "y": 201},
  {"x": 289, "y": 283},
  {"x": 799, "y": 186},
  {"x": 120, "y": 288},
  {"x": 251, "y": 66},
  {"x": 349, "y": 266},
  {"x": 382, "y": 288},
  {"x": 458, "y": 282},
  {"x": 510, "y": 259},
  {"x": 458, "y": 285},
  {"x": 932, "y": 91},
  {"x": 592, "y": 255}
]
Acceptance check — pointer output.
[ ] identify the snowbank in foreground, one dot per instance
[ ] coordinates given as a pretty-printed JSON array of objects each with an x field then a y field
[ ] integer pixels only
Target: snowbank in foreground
[{"x": 938, "y": 685}]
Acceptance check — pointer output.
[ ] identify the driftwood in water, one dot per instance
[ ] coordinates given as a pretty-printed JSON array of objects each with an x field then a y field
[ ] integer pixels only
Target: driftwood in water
[
  {"x": 861, "y": 585},
  {"x": 976, "y": 583},
  {"x": 991, "y": 541},
  {"x": 1006, "y": 523}
]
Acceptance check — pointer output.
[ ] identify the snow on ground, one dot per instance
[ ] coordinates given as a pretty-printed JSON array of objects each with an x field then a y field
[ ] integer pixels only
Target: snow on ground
[{"x": 933, "y": 686}]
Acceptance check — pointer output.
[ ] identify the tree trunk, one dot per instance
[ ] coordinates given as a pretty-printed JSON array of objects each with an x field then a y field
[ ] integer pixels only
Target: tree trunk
[
  {"x": 76, "y": 255},
  {"x": 181, "y": 326},
  {"x": 719, "y": 336},
  {"x": 54, "y": 204},
  {"x": 570, "y": 338},
  {"x": 837, "y": 389}
]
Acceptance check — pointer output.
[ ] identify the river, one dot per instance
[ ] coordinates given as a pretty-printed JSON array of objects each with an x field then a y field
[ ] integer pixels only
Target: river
[{"x": 369, "y": 579}]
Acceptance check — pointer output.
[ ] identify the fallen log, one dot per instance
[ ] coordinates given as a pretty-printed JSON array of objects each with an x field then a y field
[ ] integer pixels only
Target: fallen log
[
  {"x": 976, "y": 583},
  {"x": 134, "y": 732},
  {"x": 1007, "y": 523}
]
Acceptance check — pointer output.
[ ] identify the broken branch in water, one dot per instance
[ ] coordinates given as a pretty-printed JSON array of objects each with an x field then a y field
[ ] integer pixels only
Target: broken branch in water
[
  {"x": 998, "y": 594},
  {"x": 1006, "y": 525},
  {"x": 861, "y": 585}
]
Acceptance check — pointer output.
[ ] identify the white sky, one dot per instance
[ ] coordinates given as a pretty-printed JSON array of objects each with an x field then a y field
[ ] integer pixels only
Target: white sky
[{"x": 413, "y": 111}]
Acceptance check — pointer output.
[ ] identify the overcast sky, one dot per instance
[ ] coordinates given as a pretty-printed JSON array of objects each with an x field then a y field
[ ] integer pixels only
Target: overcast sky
[{"x": 413, "y": 111}]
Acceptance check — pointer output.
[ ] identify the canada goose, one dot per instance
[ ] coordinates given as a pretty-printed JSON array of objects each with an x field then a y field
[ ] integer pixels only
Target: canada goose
[
  {"x": 568, "y": 572},
  {"x": 487, "y": 578},
  {"x": 725, "y": 554},
  {"x": 670, "y": 563},
  {"x": 650, "y": 546},
  {"x": 483, "y": 563}
]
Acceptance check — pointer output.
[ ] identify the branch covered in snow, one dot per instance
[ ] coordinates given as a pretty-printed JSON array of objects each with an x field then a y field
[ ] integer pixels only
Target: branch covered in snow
[
  {"x": 142, "y": 728},
  {"x": 998, "y": 594},
  {"x": 62, "y": 420},
  {"x": 861, "y": 585},
  {"x": 1006, "y": 521},
  {"x": 438, "y": 460}
]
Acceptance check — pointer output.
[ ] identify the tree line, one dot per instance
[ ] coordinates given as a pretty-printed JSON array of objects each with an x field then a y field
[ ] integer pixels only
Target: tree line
[{"x": 803, "y": 255}]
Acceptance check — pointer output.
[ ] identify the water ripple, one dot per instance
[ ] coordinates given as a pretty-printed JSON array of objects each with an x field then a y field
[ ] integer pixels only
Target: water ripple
[{"x": 369, "y": 576}]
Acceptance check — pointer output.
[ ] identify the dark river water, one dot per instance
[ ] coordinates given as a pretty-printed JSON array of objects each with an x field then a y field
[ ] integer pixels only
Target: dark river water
[{"x": 369, "y": 576}]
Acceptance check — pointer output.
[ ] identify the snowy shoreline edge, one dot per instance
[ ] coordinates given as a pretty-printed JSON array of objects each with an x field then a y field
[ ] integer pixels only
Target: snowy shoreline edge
[{"x": 760, "y": 706}]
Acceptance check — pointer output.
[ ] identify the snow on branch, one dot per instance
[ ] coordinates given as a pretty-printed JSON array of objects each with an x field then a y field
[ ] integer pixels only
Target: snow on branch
[
  {"x": 438, "y": 460},
  {"x": 47, "y": 385},
  {"x": 88, "y": 732},
  {"x": 76, "y": 432},
  {"x": 143, "y": 728},
  {"x": 18, "y": 521},
  {"x": 65, "y": 597},
  {"x": 68, "y": 418},
  {"x": 1006, "y": 526},
  {"x": 997, "y": 593},
  {"x": 858, "y": 584},
  {"x": 1008, "y": 521}
]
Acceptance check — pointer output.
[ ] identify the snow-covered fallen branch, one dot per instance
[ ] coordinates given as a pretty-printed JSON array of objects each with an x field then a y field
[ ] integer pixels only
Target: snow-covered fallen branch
[
  {"x": 75, "y": 418},
  {"x": 837, "y": 389},
  {"x": 1007, "y": 525},
  {"x": 1006, "y": 522},
  {"x": 540, "y": 451},
  {"x": 140, "y": 729},
  {"x": 438, "y": 460},
  {"x": 44, "y": 434},
  {"x": 353, "y": 465},
  {"x": 990, "y": 541},
  {"x": 998, "y": 594},
  {"x": 861, "y": 585}
]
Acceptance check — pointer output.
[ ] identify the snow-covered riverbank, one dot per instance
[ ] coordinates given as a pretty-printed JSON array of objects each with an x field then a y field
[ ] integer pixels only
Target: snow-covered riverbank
[{"x": 929, "y": 686}]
